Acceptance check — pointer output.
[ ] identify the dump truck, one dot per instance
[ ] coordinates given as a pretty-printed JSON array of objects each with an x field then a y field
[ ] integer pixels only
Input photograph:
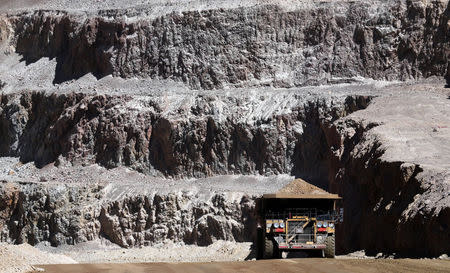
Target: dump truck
[{"x": 297, "y": 222}]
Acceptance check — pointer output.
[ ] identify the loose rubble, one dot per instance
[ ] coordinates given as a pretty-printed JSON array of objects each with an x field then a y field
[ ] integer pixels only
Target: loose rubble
[
  {"x": 99, "y": 252},
  {"x": 21, "y": 258}
]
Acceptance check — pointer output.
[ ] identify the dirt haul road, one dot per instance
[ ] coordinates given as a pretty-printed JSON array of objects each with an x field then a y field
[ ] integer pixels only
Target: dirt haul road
[{"x": 289, "y": 265}]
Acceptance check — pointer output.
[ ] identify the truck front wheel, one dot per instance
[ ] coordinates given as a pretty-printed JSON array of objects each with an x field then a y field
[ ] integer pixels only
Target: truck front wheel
[
  {"x": 330, "y": 247},
  {"x": 268, "y": 249}
]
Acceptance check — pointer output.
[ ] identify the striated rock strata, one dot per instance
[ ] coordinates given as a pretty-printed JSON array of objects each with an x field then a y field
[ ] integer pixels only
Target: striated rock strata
[
  {"x": 327, "y": 42},
  {"x": 396, "y": 200},
  {"x": 70, "y": 214},
  {"x": 275, "y": 133}
]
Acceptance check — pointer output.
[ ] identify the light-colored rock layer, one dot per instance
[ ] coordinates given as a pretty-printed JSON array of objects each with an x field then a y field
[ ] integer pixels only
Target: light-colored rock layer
[{"x": 21, "y": 258}]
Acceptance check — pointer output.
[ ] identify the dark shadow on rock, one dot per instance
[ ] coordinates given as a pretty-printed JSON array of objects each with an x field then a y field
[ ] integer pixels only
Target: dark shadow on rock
[
  {"x": 72, "y": 66},
  {"x": 161, "y": 153},
  {"x": 79, "y": 47}
]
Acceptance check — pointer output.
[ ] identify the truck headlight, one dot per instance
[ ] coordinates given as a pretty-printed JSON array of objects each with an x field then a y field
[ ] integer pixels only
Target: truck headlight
[
  {"x": 319, "y": 224},
  {"x": 276, "y": 225},
  {"x": 282, "y": 225},
  {"x": 331, "y": 225},
  {"x": 325, "y": 224}
]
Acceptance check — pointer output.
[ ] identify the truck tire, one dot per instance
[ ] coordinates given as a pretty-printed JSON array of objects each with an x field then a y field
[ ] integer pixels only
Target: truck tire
[
  {"x": 268, "y": 249},
  {"x": 260, "y": 243},
  {"x": 330, "y": 247}
]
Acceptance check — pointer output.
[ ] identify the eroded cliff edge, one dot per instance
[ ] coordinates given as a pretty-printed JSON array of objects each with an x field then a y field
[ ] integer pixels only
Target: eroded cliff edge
[{"x": 324, "y": 42}]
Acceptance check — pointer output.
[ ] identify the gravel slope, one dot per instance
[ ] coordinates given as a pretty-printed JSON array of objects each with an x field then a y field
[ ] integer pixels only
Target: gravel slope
[
  {"x": 104, "y": 252},
  {"x": 158, "y": 7},
  {"x": 20, "y": 258}
]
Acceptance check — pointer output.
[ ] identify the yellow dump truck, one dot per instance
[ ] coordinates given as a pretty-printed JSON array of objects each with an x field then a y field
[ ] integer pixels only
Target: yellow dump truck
[{"x": 297, "y": 222}]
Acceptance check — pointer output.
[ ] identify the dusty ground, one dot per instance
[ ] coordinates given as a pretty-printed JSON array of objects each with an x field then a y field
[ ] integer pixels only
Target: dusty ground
[
  {"x": 293, "y": 265},
  {"x": 132, "y": 182},
  {"x": 20, "y": 258},
  {"x": 103, "y": 252},
  {"x": 222, "y": 256}
]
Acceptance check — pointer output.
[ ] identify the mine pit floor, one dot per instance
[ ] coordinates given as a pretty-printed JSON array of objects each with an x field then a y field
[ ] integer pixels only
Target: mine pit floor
[{"x": 289, "y": 265}]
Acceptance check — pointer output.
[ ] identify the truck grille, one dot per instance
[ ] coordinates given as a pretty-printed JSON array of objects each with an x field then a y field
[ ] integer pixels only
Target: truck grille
[{"x": 297, "y": 234}]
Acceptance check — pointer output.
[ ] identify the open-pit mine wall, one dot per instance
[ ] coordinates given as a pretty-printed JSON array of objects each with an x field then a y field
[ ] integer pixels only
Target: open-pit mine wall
[
  {"x": 208, "y": 134},
  {"x": 309, "y": 140},
  {"x": 250, "y": 46}
]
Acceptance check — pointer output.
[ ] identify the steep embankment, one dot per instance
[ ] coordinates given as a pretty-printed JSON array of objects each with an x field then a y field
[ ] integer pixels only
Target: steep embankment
[
  {"x": 180, "y": 136},
  {"x": 70, "y": 214},
  {"x": 274, "y": 132},
  {"x": 404, "y": 194},
  {"x": 270, "y": 132},
  {"x": 320, "y": 43},
  {"x": 394, "y": 172}
]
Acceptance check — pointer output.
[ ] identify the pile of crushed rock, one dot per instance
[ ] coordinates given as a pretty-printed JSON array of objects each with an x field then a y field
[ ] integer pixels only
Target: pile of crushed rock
[
  {"x": 21, "y": 258},
  {"x": 300, "y": 186}
]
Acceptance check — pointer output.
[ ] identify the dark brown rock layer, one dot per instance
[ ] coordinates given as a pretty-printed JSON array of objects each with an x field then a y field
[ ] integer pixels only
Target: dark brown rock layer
[{"x": 100, "y": 129}]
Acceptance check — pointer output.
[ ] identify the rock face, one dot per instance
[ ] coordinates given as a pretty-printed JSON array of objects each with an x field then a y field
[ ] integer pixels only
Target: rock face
[
  {"x": 207, "y": 135},
  {"x": 404, "y": 198},
  {"x": 393, "y": 197},
  {"x": 384, "y": 149},
  {"x": 70, "y": 214},
  {"x": 393, "y": 171},
  {"x": 253, "y": 46}
]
